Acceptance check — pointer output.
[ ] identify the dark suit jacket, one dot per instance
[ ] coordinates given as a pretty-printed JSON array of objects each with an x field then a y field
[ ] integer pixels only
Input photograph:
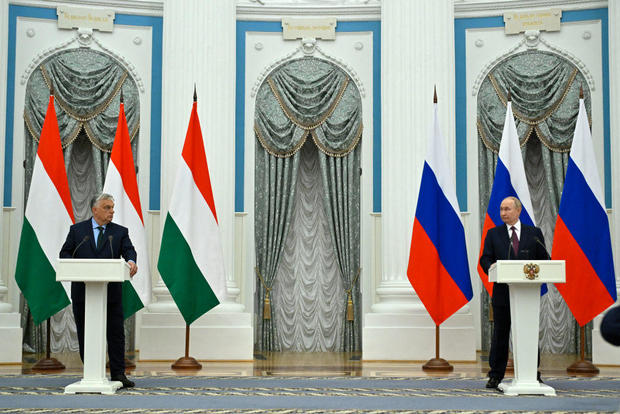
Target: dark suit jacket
[
  {"x": 497, "y": 246},
  {"x": 116, "y": 244}
]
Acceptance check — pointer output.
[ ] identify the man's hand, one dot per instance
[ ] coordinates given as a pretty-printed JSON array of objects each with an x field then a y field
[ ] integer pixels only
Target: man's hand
[{"x": 133, "y": 268}]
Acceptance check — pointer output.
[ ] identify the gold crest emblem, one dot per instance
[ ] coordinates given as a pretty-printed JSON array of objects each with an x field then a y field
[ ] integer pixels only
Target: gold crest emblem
[{"x": 531, "y": 271}]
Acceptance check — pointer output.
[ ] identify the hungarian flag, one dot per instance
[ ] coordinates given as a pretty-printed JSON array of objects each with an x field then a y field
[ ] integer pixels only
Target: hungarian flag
[
  {"x": 121, "y": 183},
  {"x": 509, "y": 181},
  {"x": 582, "y": 236},
  {"x": 48, "y": 216},
  {"x": 191, "y": 259},
  {"x": 438, "y": 269}
]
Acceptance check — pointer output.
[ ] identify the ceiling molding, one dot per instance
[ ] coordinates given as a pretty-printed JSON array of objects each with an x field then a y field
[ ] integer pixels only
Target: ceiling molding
[
  {"x": 481, "y": 8},
  {"x": 275, "y": 13},
  {"x": 139, "y": 7}
]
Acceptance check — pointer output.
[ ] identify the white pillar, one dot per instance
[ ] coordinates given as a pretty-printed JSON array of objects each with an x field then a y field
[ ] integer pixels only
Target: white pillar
[
  {"x": 417, "y": 52},
  {"x": 10, "y": 330},
  {"x": 199, "y": 47},
  {"x": 603, "y": 352}
]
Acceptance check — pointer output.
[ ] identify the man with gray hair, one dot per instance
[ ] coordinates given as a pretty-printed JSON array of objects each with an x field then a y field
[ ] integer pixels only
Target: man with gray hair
[
  {"x": 512, "y": 240},
  {"x": 100, "y": 238}
]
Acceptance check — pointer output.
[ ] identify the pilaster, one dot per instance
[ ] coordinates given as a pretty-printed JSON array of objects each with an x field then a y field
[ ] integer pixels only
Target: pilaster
[
  {"x": 10, "y": 329},
  {"x": 603, "y": 352},
  {"x": 199, "y": 48},
  {"x": 417, "y": 52}
]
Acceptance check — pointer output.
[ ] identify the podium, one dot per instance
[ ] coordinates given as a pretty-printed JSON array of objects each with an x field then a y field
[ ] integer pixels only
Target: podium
[
  {"x": 525, "y": 278},
  {"x": 96, "y": 274}
]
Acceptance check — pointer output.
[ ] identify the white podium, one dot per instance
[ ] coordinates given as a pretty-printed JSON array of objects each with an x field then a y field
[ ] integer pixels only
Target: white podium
[
  {"x": 525, "y": 278},
  {"x": 96, "y": 274}
]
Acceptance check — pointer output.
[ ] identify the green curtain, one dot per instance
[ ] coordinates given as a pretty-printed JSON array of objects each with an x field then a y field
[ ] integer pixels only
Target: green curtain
[
  {"x": 303, "y": 98},
  {"x": 544, "y": 89}
]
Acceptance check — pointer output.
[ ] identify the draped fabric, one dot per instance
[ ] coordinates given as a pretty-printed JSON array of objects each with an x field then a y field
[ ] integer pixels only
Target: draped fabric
[
  {"x": 308, "y": 96},
  {"x": 273, "y": 205},
  {"x": 86, "y": 85},
  {"x": 303, "y": 98},
  {"x": 341, "y": 182},
  {"x": 307, "y": 292},
  {"x": 545, "y": 95}
]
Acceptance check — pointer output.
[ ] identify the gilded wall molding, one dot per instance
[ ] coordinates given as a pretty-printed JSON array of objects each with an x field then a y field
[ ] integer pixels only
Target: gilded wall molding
[
  {"x": 530, "y": 43},
  {"x": 85, "y": 38},
  {"x": 304, "y": 49}
]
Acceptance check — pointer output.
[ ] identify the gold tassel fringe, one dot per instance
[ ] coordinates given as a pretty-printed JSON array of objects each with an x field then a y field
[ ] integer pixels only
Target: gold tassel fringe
[
  {"x": 267, "y": 308},
  {"x": 350, "y": 313}
]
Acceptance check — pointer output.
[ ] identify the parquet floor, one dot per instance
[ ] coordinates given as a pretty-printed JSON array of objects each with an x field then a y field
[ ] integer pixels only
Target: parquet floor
[{"x": 309, "y": 364}]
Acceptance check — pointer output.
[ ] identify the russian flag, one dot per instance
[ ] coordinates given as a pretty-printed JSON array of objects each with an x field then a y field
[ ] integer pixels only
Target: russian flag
[
  {"x": 509, "y": 181},
  {"x": 438, "y": 269},
  {"x": 582, "y": 236}
]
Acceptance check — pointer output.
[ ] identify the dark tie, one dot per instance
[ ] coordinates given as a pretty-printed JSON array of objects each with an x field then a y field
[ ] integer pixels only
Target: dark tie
[
  {"x": 514, "y": 240},
  {"x": 100, "y": 236}
]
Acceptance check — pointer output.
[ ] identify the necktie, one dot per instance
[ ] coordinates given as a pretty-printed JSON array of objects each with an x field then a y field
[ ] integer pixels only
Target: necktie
[
  {"x": 514, "y": 240},
  {"x": 100, "y": 236}
]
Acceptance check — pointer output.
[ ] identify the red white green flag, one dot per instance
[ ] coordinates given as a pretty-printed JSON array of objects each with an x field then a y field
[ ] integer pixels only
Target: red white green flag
[
  {"x": 122, "y": 184},
  {"x": 191, "y": 260},
  {"x": 49, "y": 214}
]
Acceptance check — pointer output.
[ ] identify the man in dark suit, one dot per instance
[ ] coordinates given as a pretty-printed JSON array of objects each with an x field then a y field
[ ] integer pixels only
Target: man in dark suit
[
  {"x": 99, "y": 238},
  {"x": 610, "y": 326},
  {"x": 512, "y": 240}
]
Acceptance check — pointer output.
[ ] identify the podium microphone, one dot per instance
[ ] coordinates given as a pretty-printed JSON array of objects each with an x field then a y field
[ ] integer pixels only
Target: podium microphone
[
  {"x": 84, "y": 240},
  {"x": 110, "y": 238},
  {"x": 544, "y": 247}
]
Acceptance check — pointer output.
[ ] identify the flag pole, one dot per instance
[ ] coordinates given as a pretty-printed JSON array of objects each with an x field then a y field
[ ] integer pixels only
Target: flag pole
[
  {"x": 437, "y": 364},
  {"x": 186, "y": 362},
  {"x": 128, "y": 363},
  {"x": 582, "y": 367},
  {"x": 48, "y": 363}
]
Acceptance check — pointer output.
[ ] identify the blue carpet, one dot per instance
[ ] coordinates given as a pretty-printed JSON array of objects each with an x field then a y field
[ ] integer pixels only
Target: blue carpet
[{"x": 173, "y": 394}]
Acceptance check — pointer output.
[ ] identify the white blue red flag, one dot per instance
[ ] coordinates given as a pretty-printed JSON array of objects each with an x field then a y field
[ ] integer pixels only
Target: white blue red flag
[
  {"x": 438, "y": 269},
  {"x": 509, "y": 181},
  {"x": 582, "y": 236}
]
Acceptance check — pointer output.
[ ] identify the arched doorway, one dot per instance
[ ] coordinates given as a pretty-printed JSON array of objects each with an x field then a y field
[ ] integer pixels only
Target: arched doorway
[
  {"x": 87, "y": 85},
  {"x": 545, "y": 91},
  {"x": 308, "y": 261}
]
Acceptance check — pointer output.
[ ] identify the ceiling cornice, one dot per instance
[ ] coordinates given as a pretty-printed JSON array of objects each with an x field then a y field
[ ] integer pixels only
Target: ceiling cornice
[{"x": 480, "y": 8}]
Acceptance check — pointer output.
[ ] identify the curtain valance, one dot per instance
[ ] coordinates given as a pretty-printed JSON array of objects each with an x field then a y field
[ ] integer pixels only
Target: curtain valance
[
  {"x": 545, "y": 97},
  {"x": 308, "y": 96},
  {"x": 86, "y": 86}
]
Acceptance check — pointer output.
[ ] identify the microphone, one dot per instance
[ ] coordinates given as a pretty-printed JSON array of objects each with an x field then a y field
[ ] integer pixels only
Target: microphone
[
  {"x": 84, "y": 240},
  {"x": 110, "y": 237},
  {"x": 537, "y": 240}
]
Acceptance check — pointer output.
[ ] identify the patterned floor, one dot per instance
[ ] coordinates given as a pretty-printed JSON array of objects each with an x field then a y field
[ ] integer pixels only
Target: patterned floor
[{"x": 221, "y": 394}]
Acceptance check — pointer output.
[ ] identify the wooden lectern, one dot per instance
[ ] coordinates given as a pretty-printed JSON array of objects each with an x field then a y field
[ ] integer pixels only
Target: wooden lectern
[
  {"x": 525, "y": 278},
  {"x": 96, "y": 274}
]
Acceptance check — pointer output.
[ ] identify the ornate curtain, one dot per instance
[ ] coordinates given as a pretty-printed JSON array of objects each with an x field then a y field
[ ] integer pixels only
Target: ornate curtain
[
  {"x": 302, "y": 98},
  {"x": 545, "y": 101},
  {"x": 86, "y": 86}
]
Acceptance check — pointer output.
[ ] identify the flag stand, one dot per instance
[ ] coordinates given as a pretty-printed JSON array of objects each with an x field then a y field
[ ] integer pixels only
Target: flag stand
[
  {"x": 437, "y": 364},
  {"x": 583, "y": 367},
  {"x": 48, "y": 363},
  {"x": 186, "y": 362}
]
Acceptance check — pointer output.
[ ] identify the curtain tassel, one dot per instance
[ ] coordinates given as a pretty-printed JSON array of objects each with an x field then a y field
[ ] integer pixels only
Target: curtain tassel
[
  {"x": 350, "y": 314},
  {"x": 267, "y": 307}
]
